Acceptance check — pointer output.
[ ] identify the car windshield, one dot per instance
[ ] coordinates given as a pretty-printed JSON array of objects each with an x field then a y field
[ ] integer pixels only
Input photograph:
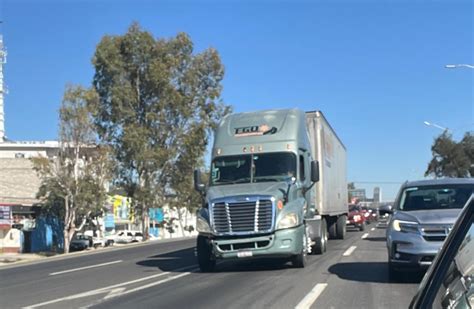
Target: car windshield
[
  {"x": 278, "y": 166},
  {"x": 435, "y": 197}
]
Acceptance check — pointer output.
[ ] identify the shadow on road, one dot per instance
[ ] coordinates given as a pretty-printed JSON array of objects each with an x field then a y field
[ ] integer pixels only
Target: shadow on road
[
  {"x": 172, "y": 261},
  {"x": 376, "y": 272},
  {"x": 376, "y": 238}
]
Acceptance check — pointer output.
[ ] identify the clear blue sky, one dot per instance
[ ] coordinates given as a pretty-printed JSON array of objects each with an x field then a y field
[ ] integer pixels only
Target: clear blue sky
[{"x": 375, "y": 68}]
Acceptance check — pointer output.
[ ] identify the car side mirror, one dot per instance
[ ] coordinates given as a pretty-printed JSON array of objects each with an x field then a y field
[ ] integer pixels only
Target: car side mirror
[
  {"x": 314, "y": 171},
  {"x": 198, "y": 185}
]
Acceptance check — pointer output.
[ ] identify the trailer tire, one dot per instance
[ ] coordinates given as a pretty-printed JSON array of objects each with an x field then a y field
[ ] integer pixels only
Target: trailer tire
[
  {"x": 341, "y": 226},
  {"x": 332, "y": 228},
  {"x": 321, "y": 242},
  {"x": 206, "y": 261}
]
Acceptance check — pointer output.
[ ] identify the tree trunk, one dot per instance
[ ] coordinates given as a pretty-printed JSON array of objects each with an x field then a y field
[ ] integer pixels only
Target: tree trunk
[
  {"x": 66, "y": 225},
  {"x": 180, "y": 219},
  {"x": 146, "y": 222}
]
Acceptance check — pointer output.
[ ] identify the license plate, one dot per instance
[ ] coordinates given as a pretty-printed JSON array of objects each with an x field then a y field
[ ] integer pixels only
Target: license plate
[{"x": 244, "y": 254}]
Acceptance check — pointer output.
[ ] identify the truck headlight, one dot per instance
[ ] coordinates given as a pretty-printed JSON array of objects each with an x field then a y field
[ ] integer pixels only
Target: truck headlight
[
  {"x": 289, "y": 220},
  {"x": 202, "y": 225},
  {"x": 405, "y": 226}
]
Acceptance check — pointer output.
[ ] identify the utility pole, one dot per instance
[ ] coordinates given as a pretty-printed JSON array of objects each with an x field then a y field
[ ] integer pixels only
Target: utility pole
[{"x": 3, "y": 60}]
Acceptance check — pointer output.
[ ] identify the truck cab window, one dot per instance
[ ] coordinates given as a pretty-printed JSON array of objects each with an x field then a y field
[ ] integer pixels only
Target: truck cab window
[
  {"x": 265, "y": 167},
  {"x": 302, "y": 166}
]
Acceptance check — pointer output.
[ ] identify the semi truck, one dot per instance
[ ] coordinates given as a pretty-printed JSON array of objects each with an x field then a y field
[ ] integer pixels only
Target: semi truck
[{"x": 277, "y": 188}]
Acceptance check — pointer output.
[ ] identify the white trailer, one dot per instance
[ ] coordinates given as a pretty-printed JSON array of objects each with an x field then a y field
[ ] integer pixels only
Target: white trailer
[{"x": 330, "y": 193}]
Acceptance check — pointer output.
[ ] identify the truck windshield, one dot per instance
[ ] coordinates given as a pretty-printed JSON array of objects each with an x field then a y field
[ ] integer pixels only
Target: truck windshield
[
  {"x": 278, "y": 166},
  {"x": 435, "y": 197}
]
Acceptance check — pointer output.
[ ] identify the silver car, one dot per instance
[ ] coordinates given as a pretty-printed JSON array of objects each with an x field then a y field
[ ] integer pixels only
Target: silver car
[{"x": 423, "y": 214}]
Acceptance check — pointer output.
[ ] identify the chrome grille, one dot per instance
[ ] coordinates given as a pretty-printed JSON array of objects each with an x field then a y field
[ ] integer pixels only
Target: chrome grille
[
  {"x": 435, "y": 232},
  {"x": 253, "y": 215}
]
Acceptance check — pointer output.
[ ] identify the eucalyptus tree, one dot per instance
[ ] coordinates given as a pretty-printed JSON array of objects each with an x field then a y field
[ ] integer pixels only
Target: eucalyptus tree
[
  {"x": 73, "y": 183},
  {"x": 158, "y": 100},
  {"x": 451, "y": 158}
]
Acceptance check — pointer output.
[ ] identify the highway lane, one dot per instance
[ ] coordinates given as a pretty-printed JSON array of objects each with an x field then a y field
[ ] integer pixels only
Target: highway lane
[
  {"x": 359, "y": 280},
  {"x": 165, "y": 275},
  {"x": 28, "y": 284}
]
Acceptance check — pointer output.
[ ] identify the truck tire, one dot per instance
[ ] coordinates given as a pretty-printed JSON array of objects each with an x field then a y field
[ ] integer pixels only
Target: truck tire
[
  {"x": 299, "y": 260},
  {"x": 341, "y": 227},
  {"x": 205, "y": 257},
  {"x": 320, "y": 243},
  {"x": 332, "y": 225}
]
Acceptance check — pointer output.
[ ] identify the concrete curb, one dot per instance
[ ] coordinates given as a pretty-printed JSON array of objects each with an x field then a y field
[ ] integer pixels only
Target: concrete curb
[{"x": 19, "y": 262}]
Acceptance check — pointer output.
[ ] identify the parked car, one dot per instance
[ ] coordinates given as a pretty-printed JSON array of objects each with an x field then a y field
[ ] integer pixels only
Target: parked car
[
  {"x": 80, "y": 242},
  {"x": 448, "y": 283},
  {"x": 423, "y": 214},
  {"x": 356, "y": 218},
  {"x": 128, "y": 236},
  {"x": 99, "y": 242}
]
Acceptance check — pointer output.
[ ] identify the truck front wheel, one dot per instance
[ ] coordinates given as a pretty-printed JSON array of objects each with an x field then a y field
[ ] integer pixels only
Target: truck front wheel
[
  {"x": 299, "y": 260},
  {"x": 319, "y": 246},
  {"x": 205, "y": 257}
]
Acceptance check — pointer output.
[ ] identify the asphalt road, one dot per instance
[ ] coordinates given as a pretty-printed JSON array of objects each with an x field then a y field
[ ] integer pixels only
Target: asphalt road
[{"x": 351, "y": 274}]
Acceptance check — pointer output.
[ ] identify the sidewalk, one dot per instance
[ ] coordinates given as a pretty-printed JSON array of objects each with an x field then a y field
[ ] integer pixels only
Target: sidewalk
[
  {"x": 17, "y": 258},
  {"x": 13, "y": 258}
]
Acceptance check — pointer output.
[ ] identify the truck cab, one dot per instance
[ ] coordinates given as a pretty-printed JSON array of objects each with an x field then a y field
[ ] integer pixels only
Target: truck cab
[{"x": 259, "y": 202}]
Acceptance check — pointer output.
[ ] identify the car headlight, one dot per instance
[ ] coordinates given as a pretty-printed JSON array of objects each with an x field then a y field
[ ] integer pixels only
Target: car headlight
[
  {"x": 202, "y": 225},
  {"x": 356, "y": 218},
  {"x": 289, "y": 220},
  {"x": 405, "y": 226}
]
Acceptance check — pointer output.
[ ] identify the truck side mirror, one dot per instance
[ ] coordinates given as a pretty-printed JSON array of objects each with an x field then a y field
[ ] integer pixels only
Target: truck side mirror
[
  {"x": 198, "y": 185},
  {"x": 314, "y": 171}
]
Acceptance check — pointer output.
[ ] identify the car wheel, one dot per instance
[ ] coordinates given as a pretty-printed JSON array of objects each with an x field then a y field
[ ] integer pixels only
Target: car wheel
[
  {"x": 320, "y": 244},
  {"x": 206, "y": 260},
  {"x": 341, "y": 227},
  {"x": 362, "y": 226}
]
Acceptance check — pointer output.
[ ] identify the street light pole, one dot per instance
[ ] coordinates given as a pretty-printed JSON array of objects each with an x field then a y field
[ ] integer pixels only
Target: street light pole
[
  {"x": 436, "y": 126},
  {"x": 455, "y": 66}
]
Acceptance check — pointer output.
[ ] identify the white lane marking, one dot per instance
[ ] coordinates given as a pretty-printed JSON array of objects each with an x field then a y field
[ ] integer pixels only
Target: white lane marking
[
  {"x": 311, "y": 297},
  {"x": 365, "y": 236},
  {"x": 372, "y": 229},
  {"x": 109, "y": 288},
  {"x": 82, "y": 268},
  {"x": 349, "y": 251},
  {"x": 146, "y": 286}
]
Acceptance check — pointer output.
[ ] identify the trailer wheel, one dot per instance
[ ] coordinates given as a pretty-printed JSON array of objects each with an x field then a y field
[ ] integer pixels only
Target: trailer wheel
[
  {"x": 341, "y": 227},
  {"x": 320, "y": 243},
  {"x": 332, "y": 228},
  {"x": 205, "y": 257}
]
